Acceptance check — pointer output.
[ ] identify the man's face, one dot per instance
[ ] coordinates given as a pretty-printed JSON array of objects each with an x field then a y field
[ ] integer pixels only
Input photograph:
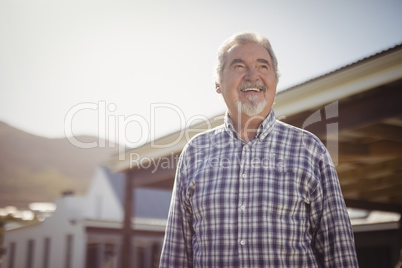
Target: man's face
[{"x": 248, "y": 81}]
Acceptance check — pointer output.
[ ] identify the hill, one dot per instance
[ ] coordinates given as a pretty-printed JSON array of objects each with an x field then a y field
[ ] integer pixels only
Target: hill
[{"x": 38, "y": 169}]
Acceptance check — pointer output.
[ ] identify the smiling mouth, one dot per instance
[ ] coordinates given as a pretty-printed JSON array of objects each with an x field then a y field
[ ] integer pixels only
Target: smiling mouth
[{"x": 253, "y": 89}]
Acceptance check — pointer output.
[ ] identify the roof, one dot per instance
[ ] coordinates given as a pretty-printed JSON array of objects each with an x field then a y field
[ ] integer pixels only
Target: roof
[
  {"x": 381, "y": 68},
  {"x": 350, "y": 65}
]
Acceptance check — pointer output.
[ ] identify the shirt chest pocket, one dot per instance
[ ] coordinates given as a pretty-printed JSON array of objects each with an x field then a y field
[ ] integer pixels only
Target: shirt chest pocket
[{"x": 285, "y": 196}]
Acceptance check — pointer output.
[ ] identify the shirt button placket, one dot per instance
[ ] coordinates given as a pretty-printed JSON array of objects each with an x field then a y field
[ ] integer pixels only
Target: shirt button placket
[{"x": 243, "y": 190}]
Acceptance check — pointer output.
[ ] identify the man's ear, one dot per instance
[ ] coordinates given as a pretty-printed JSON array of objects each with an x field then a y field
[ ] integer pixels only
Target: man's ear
[{"x": 218, "y": 88}]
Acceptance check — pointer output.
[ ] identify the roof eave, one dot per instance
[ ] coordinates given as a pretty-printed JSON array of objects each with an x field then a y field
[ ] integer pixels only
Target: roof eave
[
  {"x": 344, "y": 82},
  {"x": 379, "y": 69}
]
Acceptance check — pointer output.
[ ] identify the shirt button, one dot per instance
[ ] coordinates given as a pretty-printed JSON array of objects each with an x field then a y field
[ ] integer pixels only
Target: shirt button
[
  {"x": 244, "y": 176},
  {"x": 243, "y": 207},
  {"x": 242, "y": 242}
]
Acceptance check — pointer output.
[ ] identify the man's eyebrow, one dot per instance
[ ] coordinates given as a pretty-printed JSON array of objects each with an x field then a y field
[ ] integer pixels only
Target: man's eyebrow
[
  {"x": 237, "y": 61},
  {"x": 242, "y": 61},
  {"x": 264, "y": 61}
]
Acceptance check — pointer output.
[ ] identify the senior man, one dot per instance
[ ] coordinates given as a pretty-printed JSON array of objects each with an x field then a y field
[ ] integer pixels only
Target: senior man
[{"x": 255, "y": 192}]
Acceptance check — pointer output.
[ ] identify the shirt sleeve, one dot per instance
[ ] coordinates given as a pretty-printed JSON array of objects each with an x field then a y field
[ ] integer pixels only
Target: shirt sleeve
[
  {"x": 333, "y": 241},
  {"x": 177, "y": 250}
]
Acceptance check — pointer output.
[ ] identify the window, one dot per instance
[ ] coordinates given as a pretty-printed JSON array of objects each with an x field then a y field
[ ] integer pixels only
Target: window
[
  {"x": 30, "y": 253},
  {"x": 92, "y": 255},
  {"x": 156, "y": 252},
  {"x": 109, "y": 257},
  {"x": 140, "y": 260},
  {"x": 46, "y": 252},
  {"x": 11, "y": 255},
  {"x": 69, "y": 249}
]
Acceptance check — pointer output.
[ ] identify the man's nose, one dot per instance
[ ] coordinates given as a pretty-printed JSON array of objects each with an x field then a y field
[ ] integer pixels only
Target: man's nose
[{"x": 252, "y": 74}]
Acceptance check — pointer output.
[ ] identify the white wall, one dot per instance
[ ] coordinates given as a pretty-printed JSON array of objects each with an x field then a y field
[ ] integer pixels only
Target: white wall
[
  {"x": 101, "y": 202},
  {"x": 65, "y": 221}
]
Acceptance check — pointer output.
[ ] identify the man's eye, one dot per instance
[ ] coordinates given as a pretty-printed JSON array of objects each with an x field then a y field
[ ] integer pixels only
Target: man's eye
[
  {"x": 264, "y": 67},
  {"x": 238, "y": 66}
]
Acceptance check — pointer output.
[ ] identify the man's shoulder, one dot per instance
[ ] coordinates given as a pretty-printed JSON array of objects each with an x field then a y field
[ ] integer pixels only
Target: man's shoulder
[{"x": 309, "y": 140}]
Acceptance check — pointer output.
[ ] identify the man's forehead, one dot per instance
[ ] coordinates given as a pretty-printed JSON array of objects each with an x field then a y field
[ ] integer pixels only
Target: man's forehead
[{"x": 241, "y": 51}]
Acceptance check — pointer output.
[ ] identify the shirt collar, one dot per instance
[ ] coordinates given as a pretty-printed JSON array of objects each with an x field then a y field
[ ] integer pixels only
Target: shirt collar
[{"x": 263, "y": 130}]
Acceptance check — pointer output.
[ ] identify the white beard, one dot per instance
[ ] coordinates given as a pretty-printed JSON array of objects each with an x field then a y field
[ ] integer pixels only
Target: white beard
[{"x": 251, "y": 108}]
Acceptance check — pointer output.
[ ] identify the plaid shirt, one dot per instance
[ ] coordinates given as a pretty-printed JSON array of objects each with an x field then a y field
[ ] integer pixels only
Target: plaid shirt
[{"x": 274, "y": 201}]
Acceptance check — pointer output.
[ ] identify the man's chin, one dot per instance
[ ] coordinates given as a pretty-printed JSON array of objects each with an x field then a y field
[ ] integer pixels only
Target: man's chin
[{"x": 251, "y": 109}]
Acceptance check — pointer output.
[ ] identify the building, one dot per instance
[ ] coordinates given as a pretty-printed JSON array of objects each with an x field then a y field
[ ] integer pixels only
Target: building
[{"x": 85, "y": 231}]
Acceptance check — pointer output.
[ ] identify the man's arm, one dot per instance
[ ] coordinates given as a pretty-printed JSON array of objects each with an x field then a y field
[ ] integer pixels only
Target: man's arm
[
  {"x": 177, "y": 246},
  {"x": 334, "y": 241}
]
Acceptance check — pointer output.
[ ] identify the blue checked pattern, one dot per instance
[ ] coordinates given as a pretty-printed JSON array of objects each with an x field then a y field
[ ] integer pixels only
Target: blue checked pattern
[{"x": 272, "y": 202}]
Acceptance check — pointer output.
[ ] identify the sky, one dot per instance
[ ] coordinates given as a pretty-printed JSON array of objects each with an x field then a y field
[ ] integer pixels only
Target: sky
[{"x": 131, "y": 71}]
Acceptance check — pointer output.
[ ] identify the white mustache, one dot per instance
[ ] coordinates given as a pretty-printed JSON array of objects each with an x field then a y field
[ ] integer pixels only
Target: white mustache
[{"x": 256, "y": 84}]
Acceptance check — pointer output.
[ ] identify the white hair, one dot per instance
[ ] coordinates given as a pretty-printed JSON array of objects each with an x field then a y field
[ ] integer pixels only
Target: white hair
[{"x": 242, "y": 38}]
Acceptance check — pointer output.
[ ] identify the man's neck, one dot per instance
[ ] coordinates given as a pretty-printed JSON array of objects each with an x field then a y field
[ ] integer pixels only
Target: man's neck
[{"x": 247, "y": 126}]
